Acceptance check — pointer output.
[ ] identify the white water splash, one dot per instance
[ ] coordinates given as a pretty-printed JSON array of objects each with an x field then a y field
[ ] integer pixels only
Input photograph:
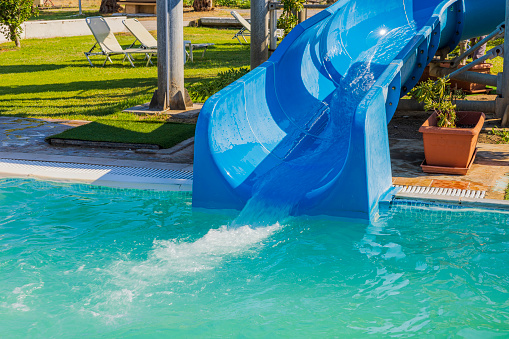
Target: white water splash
[
  {"x": 204, "y": 253},
  {"x": 170, "y": 265},
  {"x": 22, "y": 293}
]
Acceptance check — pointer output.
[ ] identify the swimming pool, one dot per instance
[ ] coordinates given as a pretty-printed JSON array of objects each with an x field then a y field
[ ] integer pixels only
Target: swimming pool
[{"x": 83, "y": 260}]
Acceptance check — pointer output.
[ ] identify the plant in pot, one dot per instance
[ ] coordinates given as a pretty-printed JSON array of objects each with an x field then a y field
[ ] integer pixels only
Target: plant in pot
[{"x": 450, "y": 136}]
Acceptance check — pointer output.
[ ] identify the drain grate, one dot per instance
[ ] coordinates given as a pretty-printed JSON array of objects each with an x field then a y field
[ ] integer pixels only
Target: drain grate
[
  {"x": 451, "y": 192},
  {"x": 100, "y": 169}
]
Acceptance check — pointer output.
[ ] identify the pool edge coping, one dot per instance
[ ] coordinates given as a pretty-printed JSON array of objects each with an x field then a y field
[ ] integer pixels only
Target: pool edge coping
[
  {"x": 186, "y": 184},
  {"x": 453, "y": 201},
  {"x": 112, "y": 181}
]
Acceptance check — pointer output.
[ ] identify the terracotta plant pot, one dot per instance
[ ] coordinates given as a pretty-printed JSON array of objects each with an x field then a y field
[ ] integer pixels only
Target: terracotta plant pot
[{"x": 451, "y": 147}]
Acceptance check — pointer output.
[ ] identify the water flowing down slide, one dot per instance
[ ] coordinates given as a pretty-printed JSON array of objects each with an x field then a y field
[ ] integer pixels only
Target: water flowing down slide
[{"x": 306, "y": 132}]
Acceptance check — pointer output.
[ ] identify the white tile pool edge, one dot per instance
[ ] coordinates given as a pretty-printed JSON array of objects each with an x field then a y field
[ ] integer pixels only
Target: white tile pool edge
[
  {"x": 165, "y": 177},
  {"x": 439, "y": 191},
  {"x": 454, "y": 200},
  {"x": 115, "y": 176}
]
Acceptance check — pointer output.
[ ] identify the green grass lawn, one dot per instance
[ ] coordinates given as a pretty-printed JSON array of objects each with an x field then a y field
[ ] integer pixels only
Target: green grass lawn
[
  {"x": 497, "y": 65},
  {"x": 51, "y": 78},
  {"x": 165, "y": 135}
]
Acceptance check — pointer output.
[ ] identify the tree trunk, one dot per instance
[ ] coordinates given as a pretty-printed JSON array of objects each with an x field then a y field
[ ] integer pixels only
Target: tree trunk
[
  {"x": 202, "y": 5},
  {"x": 13, "y": 36},
  {"x": 109, "y": 6}
]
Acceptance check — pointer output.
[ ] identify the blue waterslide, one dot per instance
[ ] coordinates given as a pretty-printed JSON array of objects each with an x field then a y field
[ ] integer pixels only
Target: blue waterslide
[{"x": 307, "y": 130}]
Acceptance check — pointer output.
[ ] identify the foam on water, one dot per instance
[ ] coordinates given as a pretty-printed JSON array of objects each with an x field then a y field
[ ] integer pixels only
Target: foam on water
[
  {"x": 22, "y": 293},
  {"x": 206, "y": 253},
  {"x": 171, "y": 263}
]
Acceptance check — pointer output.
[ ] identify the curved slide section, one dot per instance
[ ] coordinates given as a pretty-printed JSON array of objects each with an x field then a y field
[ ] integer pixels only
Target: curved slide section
[{"x": 307, "y": 130}]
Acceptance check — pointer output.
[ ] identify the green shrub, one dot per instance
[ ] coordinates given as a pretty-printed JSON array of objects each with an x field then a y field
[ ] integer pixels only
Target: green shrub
[
  {"x": 201, "y": 91},
  {"x": 502, "y": 133},
  {"x": 233, "y": 3},
  {"x": 288, "y": 20},
  {"x": 438, "y": 96},
  {"x": 495, "y": 42},
  {"x": 12, "y": 14}
]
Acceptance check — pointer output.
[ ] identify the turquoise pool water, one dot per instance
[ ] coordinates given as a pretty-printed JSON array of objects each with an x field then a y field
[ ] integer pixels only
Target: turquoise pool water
[{"x": 82, "y": 261}]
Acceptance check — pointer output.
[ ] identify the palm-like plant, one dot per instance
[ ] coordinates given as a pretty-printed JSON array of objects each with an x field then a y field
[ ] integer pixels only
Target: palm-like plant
[{"x": 437, "y": 96}]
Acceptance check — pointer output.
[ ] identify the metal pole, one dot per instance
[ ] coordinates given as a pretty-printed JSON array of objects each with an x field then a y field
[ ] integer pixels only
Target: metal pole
[
  {"x": 505, "y": 76},
  {"x": 465, "y": 53},
  {"x": 259, "y": 32},
  {"x": 79, "y": 5},
  {"x": 468, "y": 76},
  {"x": 478, "y": 78},
  {"x": 176, "y": 48},
  {"x": 492, "y": 53},
  {"x": 301, "y": 16},
  {"x": 272, "y": 30}
]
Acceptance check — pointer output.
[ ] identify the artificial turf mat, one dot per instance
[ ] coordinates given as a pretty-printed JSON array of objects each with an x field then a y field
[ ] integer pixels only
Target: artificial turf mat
[{"x": 165, "y": 135}]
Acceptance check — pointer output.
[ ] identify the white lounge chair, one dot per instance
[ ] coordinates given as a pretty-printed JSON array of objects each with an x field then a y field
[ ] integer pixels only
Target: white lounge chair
[
  {"x": 140, "y": 33},
  {"x": 146, "y": 39},
  {"x": 246, "y": 27},
  {"x": 108, "y": 43}
]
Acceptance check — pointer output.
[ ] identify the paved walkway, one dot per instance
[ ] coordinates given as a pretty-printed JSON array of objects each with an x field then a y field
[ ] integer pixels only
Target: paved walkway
[
  {"x": 25, "y": 153},
  {"x": 490, "y": 171},
  {"x": 27, "y": 136}
]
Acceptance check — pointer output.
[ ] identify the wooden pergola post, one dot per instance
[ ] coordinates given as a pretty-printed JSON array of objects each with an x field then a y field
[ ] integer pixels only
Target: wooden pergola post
[
  {"x": 259, "y": 32},
  {"x": 170, "y": 93}
]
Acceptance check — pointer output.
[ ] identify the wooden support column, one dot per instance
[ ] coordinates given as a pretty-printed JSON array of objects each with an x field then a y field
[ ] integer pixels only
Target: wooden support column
[
  {"x": 259, "y": 32},
  {"x": 170, "y": 92},
  {"x": 176, "y": 47}
]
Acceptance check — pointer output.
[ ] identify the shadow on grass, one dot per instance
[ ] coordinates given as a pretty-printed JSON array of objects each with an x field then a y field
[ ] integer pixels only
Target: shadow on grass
[
  {"x": 118, "y": 62},
  {"x": 47, "y": 106},
  {"x": 165, "y": 135},
  {"x": 99, "y": 110},
  {"x": 78, "y": 86},
  {"x": 98, "y": 61},
  {"x": 11, "y": 69}
]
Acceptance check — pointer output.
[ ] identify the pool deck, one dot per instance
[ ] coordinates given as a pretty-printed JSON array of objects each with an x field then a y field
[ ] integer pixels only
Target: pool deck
[
  {"x": 489, "y": 172},
  {"x": 25, "y": 153}
]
